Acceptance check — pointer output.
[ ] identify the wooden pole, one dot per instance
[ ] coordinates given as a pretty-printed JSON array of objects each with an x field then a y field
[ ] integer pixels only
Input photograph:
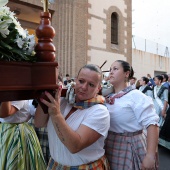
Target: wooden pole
[{"x": 103, "y": 64}]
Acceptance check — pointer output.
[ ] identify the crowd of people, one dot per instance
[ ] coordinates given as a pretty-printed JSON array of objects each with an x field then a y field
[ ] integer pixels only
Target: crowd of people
[
  {"x": 106, "y": 123},
  {"x": 158, "y": 89}
]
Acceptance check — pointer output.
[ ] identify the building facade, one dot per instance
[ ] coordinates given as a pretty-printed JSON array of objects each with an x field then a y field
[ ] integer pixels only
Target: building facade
[
  {"x": 145, "y": 62},
  {"x": 87, "y": 31}
]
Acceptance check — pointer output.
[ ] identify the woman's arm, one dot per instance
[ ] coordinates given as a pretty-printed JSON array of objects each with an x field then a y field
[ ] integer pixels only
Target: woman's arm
[
  {"x": 164, "y": 109},
  {"x": 6, "y": 109},
  {"x": 152, "y": 144},
  {"x": 40, "y": 119},
  {"x": 151, "y": 80},
  {"x": 165, "y": 104},
  {"x": 73, "y": 140}
]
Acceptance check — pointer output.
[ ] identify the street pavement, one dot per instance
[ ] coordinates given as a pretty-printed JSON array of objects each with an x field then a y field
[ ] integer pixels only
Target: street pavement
[{"x": 164, "y": 158}]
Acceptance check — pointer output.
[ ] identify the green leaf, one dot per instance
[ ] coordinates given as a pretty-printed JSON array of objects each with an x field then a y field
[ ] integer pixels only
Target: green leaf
[{"x": 5, "y": 45}]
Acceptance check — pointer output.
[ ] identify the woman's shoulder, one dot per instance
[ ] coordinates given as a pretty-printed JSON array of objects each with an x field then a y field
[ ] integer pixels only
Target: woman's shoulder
[
  {"x": 140, "y": 98},
  {"x": 97, "y": 113},
  {"x": 136, "y": 94},
  {"x": 98, "y": 107}
]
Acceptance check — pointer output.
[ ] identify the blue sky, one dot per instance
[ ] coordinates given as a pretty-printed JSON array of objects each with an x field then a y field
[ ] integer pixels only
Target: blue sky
[{"x": 151, "y": 20}]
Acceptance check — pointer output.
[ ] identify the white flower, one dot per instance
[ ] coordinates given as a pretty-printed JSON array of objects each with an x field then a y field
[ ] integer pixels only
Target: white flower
[
  {"x": 31, "y": 43},
  {"x": 21, "y": 31},
  {"x": 4, "y": 31},
  {"x": 19, "y": 42},
  {"x": 4, "y": 27},
  {"x": 14, "y": 37},
  {"x": 4, "y": 11}
]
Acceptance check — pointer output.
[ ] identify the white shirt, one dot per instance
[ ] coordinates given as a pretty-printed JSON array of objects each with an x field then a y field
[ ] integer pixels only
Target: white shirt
[
  {"x": 97, "y": 118},
  {"x": 132, "y": 112},
  {"x": 148, "y": 92},
  {"x": 22, "y": 115},
  {"x": 133, "y": 85}
]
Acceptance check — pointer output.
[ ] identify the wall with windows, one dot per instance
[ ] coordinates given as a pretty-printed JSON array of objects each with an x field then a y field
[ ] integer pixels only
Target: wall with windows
[
  {"x": 114, "y": 28},
  {"x": 109, "y": 31},
  {"x": 83, "y": 30}
]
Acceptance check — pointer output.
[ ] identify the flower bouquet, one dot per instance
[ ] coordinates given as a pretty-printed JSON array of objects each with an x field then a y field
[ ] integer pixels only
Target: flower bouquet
[
  {"x": 22, "y": 75},
  {"x": 15, "y": 42}
]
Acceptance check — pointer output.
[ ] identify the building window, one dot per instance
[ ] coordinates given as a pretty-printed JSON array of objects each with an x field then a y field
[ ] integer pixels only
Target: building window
[{"x": 114, "y": 28}]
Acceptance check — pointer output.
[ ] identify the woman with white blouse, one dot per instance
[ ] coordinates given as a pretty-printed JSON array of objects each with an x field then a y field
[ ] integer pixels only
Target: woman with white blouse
[
  {"x": 19, "y": 146},
  {"x": 127, "y": 147},
  {"x": 77, "y": 130},
  {"x": 144, "y": 88},
  {"x": 160, "y": 98}
]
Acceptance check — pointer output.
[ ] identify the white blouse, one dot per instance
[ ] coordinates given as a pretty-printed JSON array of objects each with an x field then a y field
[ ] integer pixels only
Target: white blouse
[
  {"x": 22, "y": 115},
  {"x": 97, "y": 118},
  {"x": 148, "y": 92},
  {"x": 132, "y": 112}
]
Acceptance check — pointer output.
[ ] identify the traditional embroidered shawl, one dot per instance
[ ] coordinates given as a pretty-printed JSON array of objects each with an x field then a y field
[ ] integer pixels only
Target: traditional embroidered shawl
[
  {"x": 160, "y": 91},
  {"x": 70, "y": 97},
  {"x": 111, "y": 97},
  {"x": 158, "y": 100},
  {"x": 146, "y": 89},
  {"x": 91, "y": 102}
]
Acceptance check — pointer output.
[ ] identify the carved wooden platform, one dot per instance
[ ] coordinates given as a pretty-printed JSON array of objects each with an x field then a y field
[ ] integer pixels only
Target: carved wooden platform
[{"x": 22, "y": 80}]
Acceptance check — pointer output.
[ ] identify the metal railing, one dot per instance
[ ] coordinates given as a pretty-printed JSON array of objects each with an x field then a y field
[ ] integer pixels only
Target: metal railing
[{"x": 149, "y": 46}]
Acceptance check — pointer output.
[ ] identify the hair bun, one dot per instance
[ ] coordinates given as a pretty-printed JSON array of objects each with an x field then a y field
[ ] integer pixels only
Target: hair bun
[{"x": 131, "y": 72}]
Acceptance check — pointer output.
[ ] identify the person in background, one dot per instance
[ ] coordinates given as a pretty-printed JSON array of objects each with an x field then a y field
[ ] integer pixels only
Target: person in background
[
  {"x": 70, "y": 83},
  {"x": 164, "y": 135},
  {"x": 60, "y": 81},
  {"x": 130, "y": 112},
  {"x": 68, "y": 80},
  {"x": 160, "y": 98},
  {"x": 138, "y": 84},
  {"x": 106, "y": 86},
  {"x": 76, "y": 138},
  {"x": 169, "y": 90},
  {"x": 19, "y": 146},
  {"x": 151, "y": 81},
  {"x": 144, "y": 88},
  {"x": 169, "y": 79},
  {"x": 132, "y": 82},
  {"x": 165, "y": 80},
  {"x": 105, "y": 81}
]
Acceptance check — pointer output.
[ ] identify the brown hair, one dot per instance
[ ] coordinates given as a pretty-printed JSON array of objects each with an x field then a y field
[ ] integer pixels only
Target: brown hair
[
  {"x": 93, "y": 67},
  {"x": 126, "y": 67}
]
